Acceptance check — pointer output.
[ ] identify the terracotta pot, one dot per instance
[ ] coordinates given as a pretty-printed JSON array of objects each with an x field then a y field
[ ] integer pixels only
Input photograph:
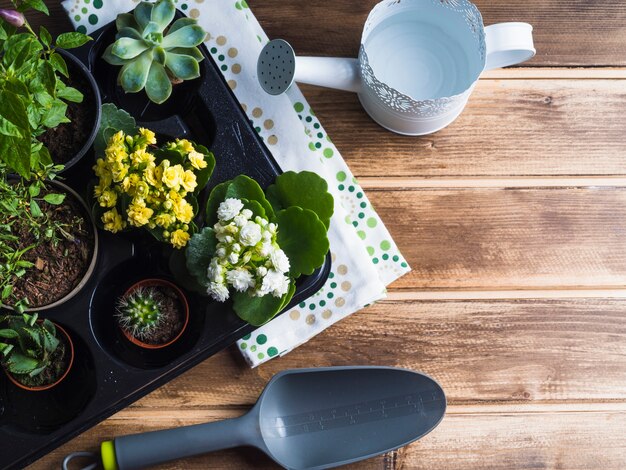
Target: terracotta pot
[
  {"x": 94, "y": 256},
  {"x": 49, "y": 386},
  {"x": 183, "y": 301}
]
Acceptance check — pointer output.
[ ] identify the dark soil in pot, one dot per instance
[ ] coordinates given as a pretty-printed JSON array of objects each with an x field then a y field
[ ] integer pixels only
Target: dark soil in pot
[
  {"x": 58, "y": 269},
  {"x": 66, "y": 140}
]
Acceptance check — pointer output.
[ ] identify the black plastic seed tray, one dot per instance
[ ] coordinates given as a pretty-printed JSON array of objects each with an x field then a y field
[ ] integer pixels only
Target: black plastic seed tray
[{"x": 110, "y": 373}]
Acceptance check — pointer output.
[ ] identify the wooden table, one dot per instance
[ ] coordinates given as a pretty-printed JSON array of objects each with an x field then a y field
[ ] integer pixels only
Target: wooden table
[{"x": 514, "y": 221}]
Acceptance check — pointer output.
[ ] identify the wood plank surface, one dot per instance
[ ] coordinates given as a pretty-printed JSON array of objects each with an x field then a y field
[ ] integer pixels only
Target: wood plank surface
[
  {"x": 517, "y": 211},
  {"x": 526, "y": 351},
  {"x": 509, "y": 128},
  {"x": 508, "y": 239},
  {"x": 489, "y": 437},
  {"x": 567, "y": 32},
  {"x": 526, "y": 380}
]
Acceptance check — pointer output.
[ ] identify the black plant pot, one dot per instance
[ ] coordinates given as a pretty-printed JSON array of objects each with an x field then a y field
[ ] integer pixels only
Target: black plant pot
[{"x": 96, "y": 111}]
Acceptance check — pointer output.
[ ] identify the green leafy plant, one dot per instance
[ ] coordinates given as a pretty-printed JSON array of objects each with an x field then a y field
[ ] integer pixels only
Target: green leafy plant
[
  {"x": 33, "y": 95},
  {"x": 256, "y": 246},
  {"x": 153, "y": 54},
  {"x": 139, "y": 313},
  {"x": 30, "y": 350},
  {"x": 26, "y": 206}
]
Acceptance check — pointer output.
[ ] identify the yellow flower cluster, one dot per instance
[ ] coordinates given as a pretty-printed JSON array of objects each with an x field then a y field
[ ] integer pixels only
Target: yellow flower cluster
[{"x": 154, "y": 192}]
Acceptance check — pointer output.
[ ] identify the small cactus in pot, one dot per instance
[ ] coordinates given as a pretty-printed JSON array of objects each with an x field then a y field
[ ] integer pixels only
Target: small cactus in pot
[
  {"x": 139, "y": 312},
  {"x": 154, "y": 54},
  {"x": 153, "y": 313}
]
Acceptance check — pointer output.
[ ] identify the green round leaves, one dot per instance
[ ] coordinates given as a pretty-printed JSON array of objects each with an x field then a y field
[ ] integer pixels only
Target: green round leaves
[
  {"x": 302, "y": 236},
  {"x": 306, "y": 190}
]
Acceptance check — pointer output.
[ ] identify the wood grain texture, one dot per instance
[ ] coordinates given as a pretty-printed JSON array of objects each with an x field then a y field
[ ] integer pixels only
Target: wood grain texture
[
  {"x": 491, "y": 351},
  {"x": 509, "y": 128},
  {"x": 532, "y": 383},
  {"x": 508, "y": 239},
  {"x": 490, "y": 437},
  {"x": 567, "y": 32},
  {"x": 526, "y": 380}
]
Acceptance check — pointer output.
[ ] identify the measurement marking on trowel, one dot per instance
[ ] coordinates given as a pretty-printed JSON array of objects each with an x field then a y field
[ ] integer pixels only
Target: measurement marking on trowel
[{"x": 350, "y": 415}]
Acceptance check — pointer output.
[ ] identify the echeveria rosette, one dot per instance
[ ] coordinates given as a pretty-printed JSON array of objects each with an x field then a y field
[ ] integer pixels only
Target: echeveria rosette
[
  {"x": 153, "y": 54},
  {"x": 300, "y": 235}
]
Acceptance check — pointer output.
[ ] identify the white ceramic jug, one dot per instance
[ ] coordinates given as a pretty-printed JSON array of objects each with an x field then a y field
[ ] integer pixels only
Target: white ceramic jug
[{"x": 418, "y": 63}]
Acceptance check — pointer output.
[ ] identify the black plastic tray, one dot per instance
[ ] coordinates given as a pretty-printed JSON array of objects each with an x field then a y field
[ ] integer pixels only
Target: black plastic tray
[{"x": 109, "y": 373}]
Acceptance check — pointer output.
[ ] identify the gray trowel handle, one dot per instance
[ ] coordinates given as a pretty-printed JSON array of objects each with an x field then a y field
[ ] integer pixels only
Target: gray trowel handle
[{"x": 144, "y": 450}]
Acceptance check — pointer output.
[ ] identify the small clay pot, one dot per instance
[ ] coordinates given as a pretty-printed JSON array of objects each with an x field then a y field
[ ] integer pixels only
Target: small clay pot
[
  {"x": 49, "y": 386},
  {"x": 183, "y": 301}
]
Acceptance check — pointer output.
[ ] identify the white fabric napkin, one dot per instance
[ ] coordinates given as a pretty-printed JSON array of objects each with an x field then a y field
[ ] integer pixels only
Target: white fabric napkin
[{"x": 365, "y": 258}]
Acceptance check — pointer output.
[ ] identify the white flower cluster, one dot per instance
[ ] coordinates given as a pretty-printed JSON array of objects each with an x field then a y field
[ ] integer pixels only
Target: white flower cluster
[{"x": 247, "y": 257}]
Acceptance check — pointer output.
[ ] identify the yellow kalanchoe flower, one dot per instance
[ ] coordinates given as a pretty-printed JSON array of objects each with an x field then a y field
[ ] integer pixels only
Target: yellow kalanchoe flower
[
  {"x": 148, "y": 135},
  {"x": 179, "y": 238},
  {"x": 165, "y": 219},
  {"x": 184, "y": 145},
  {"x": 188, "y": 181},
  {"x": 107, "y": 198},
  {"x": 183, "y": 211},
  {"x": 113, "y": 221},
  {"x": 197, "y": 160},
  {"x": 138, "y": 213},
  {"x": 141, "y": 156},
  {"x": 172, "y": 175}
]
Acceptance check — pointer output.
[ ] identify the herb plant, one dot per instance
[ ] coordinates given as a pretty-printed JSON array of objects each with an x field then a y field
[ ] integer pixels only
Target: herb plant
[
  {"x": 153, "y": 54},
  {"x": 30, "y": 350},
  {"x": 33, "y": 95},
  {"x": 139, "y": 312},
  {"x": 258, "y": 243},
  {"x": 22, "y": 206}
]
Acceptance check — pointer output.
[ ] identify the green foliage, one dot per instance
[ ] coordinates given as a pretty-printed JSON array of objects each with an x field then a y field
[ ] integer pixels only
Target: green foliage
[
  {"x": 153, "y": 55},
  {"x": 200, "y": 250},
  {"x": 140, "y": 312},
  {"x": 301, "y": 207},
  {"x": 111, "y": 121},
  {"x": 260, "y": 310},
  {"x": 302, "y": 236},
  {"x": 30, "y": 350},
  {"x": 306, "y": 190},
  {"x": 21, "y": 211},
  {"x": 33, "y": 96}
]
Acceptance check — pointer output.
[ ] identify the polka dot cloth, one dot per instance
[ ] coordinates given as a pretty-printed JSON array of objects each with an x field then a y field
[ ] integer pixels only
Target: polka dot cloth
[{"x": 364, "y": 257}]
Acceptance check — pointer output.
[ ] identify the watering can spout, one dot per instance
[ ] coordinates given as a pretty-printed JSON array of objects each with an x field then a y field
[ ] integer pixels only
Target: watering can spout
[{"x": 278, "y": 67}]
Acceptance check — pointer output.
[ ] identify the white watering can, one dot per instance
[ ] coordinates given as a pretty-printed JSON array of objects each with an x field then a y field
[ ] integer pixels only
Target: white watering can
[{"x": 418, "y": 63}]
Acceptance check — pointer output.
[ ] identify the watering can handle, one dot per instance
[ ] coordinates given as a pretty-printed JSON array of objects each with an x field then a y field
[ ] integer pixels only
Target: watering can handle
[{"x": 508, "y": 44}]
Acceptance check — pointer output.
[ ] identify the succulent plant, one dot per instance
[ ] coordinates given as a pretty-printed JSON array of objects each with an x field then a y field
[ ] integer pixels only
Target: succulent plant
[
  {"x": 153, "y": 55},
  {"x": 139, "y": 313},
  {"x": 31, "y": 348}
]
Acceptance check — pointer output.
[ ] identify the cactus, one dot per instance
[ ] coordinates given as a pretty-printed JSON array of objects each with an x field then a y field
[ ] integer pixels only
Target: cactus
[
  {"x": 32, "y": 348},
  {"x": 140, "y": 312},
  {"x": 152, "y": 55}
]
